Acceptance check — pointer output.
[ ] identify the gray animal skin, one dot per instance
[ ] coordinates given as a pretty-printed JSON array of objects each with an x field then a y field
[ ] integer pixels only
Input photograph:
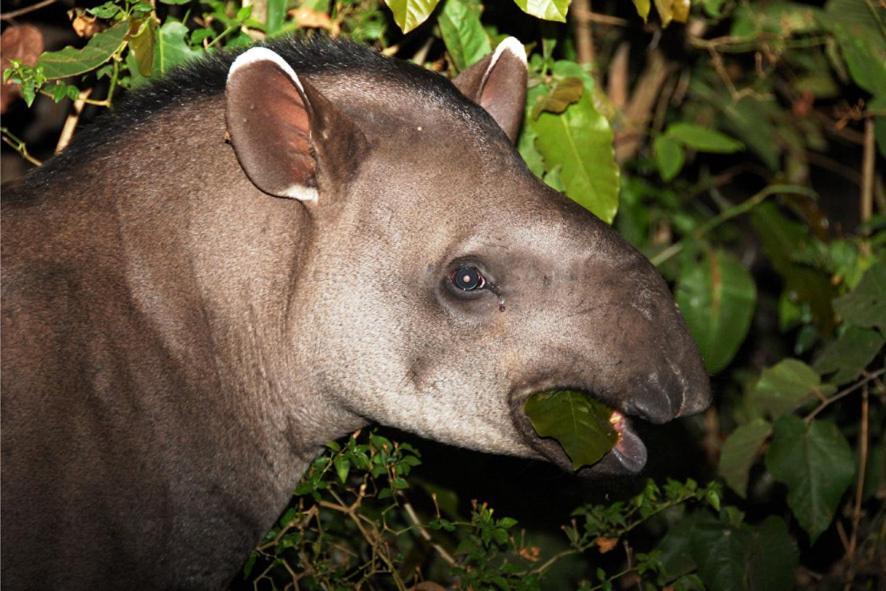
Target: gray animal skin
[{"x": 254, "y": 257}]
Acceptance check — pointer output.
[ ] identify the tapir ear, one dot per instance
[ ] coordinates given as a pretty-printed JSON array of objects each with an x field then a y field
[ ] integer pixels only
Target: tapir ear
[
  {"x": 498, "y": 84},
  {"x": 284, "y": 131}
]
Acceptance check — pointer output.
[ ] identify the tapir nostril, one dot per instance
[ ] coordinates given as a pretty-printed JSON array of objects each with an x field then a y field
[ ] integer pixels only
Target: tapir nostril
[
  {"x": 652, "y": 406},
  {"x": 654, "y": 397}
]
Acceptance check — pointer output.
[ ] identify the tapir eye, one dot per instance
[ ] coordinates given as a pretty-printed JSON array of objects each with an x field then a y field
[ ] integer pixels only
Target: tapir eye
[{"x": 467, "y": 278}]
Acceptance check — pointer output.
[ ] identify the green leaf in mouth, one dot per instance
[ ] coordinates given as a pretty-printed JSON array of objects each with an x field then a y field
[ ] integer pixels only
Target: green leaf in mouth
[{"x": 580, "y": 424}]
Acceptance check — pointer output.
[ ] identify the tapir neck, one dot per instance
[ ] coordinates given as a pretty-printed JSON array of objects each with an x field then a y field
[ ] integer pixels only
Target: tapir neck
[{"x": 184, "y": 291}]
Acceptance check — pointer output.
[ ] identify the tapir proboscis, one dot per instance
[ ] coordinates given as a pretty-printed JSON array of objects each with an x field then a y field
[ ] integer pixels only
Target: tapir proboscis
[{"x": 265, "y": 251}]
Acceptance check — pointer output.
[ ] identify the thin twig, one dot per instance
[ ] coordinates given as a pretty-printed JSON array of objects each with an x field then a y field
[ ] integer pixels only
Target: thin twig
[
  {"x": 426, "y": 535},
  {"x": 21, "y": 11},
  {"x": 584, "y": 31},
  {"x": 844, "y": 393},
  {"x": 639, "y": 110},
  {"x": 741, "y": 208},
  {"x": 867, "y": 171},
  {"x": 580, "y": 13},
  {"x": 859, "y": 489},
  {"x": 72, "y": 120},
  {"x": 19, "y": 146}
]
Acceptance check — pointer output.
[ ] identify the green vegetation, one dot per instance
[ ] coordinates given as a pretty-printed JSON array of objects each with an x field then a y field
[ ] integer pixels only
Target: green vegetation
[{"x": 735, "y": 143}]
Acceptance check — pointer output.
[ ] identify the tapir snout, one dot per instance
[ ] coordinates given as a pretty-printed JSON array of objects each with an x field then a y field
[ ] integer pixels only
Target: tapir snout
[{"x": 613, "y": 332}]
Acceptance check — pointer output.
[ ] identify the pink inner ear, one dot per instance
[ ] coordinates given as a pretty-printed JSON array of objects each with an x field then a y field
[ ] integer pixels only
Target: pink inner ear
[
  {"x": 270, "y": 127},
  {"x": 504, "y": 92}
]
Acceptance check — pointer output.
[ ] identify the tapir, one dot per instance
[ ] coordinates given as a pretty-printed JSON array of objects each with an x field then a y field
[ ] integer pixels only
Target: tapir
[{"x": 268, "y": 250}]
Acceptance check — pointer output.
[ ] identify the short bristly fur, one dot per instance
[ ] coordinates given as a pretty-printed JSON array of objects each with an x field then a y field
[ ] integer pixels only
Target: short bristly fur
[{"x": 178, "y": 342}]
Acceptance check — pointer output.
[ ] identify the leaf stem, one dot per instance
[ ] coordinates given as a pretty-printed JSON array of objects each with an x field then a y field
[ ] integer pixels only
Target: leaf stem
[
  {"x": 843, "y": 394},
  {"x": 19, "y": 146},
  {"x": 726, "y": 215},
  {"x": 859, "y": 488}
]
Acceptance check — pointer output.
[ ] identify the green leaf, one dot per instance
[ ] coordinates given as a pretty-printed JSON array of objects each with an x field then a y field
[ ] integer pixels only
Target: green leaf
[
  {"x": 720, "y": 551},
  {"x": 717, "y": 299},
  {"x": 141, "y": 44},
  {"x": 739, "y": 452},
  {"x": 703, "y": 139},
  {"x": 342, "y": 467},
  {"x": 408, "y": 14},
  {"x": 464, "y": 36},
  {"x": 276, "y": 16},
  {"x": 866, "y": 304},
  {"x": 564, "y": 93},
  {"x": 107, "y": 10},
  {"x": 175, "y": 2},
  {"x": 785, "y": 387},
  {"x": 782, "y": 238},
  {"x": 642, "y": 7},
  {"x": 858, "y": 28},
  {"x": 669, "y": 157},
  {"x": 172, "y": 48},
  {"x": 579, "y": 423},
  {"x": 713, "y": 7},
  {"x": 849, "y": 354},
  {"x": 816, "y": 464},
  {"x": 773, "y": 556},
  {"x": 72, "y": 62},
  {"x": 549, "y": 10},
  {"x": 579, "y": 141}
]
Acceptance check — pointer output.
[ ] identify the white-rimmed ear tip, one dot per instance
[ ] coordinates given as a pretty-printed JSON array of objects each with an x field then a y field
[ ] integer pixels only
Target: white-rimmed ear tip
[
  {"x": 263, "y": 54},
  {"x": 513, "y": 46},
  {"x": 302, "y": 193}
]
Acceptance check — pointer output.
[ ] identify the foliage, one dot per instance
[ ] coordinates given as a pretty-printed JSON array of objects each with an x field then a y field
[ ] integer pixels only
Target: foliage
[
  {"x": 355, "y": 523},
  {"x": 738, "y": 152}
]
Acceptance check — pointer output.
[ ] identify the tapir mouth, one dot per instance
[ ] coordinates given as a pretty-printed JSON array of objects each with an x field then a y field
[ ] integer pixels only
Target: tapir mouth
[{"x": 628, "y": 456}]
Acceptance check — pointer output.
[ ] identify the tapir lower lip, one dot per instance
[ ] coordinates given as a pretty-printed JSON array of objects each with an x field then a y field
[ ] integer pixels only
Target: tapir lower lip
[{"x": 628, "y": 456}]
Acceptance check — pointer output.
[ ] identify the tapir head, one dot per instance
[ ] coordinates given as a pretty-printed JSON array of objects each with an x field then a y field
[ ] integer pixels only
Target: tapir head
[{"x": 443, "y": 283}]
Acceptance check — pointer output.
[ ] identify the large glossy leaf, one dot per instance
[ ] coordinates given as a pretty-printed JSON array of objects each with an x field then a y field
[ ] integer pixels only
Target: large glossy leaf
[
  {"x": 549, "y": 10},
  {"x": 462, "y": 32},
  {"x": 579, "y": 141},
  {"x": 866, "y": 304},
  {"x": 816, "y": 464},
  {"x": 72, "y": 62},
  {"x": 408, "y": 14},
  {"x": 731, "y": 555},
  {"x": 786, "y": 386},
  {"x": 739, "y": 452},
  {"x": 717, "y": 299},
  {"x": 172, "y": 48},
  {"x": 580, "y": 424},
  {"x": 849, "y": 354}
]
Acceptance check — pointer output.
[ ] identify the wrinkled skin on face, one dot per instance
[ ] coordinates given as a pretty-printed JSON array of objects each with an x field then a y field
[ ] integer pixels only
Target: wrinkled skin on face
[{"x": 566, "y": 303}]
